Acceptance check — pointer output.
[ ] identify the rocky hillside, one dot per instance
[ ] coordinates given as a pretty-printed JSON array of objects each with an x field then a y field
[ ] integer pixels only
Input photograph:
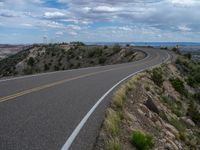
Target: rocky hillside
[
  {"x": 158, "y": 109},
  {"x": 54, "y": 57}
]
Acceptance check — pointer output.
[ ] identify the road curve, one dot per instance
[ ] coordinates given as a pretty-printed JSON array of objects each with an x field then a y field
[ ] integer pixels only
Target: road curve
[{"x": 44, "y": 112}]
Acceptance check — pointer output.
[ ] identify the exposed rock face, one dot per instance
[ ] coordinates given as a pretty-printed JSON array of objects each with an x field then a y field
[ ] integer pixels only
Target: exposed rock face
[
  {"x": 151, "y": 105},
  {"x": 156, "y": 110}
]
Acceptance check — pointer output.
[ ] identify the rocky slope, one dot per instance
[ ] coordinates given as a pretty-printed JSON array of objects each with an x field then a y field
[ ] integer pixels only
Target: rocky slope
[
  {"x": 54, "y": 57},
  {"x": 158, "y": 109}
]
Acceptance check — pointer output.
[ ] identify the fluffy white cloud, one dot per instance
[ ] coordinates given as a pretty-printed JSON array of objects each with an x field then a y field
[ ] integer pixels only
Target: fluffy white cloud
[
  {"x": 53, "y": 15},
  {"x": 185, "y": 2},
  {"x": 184, "y": 28},
  {"x": 105, "y": 19}
]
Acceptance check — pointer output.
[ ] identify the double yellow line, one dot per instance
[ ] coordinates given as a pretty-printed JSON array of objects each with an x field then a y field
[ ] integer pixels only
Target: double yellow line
[{"x": 6, "y": 98}]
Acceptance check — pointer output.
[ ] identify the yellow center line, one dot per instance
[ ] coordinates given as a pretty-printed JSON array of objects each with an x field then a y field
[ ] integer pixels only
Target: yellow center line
[{"x": 25, "y": 92}]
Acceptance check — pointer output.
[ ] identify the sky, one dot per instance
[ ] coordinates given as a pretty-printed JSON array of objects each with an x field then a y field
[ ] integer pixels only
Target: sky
[{"x": 32, "y": 21}]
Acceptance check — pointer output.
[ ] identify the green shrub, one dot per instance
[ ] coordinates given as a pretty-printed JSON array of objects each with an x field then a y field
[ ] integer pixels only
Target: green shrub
[
  {"x": 191, "y": 81},
  {"x": 194, "y": 113},
  {"x": 197, "y": 97},
  {"x": 178, "y": 85},
  {"x": 31, "y": 61},
  {"x": 102, "y": 60},
  {"x": 116, "y": 48},
  {"x": 156, "y": 76},
  {"x": 188, "y": 55},
  {"x": 46, "y": 67},
  {"x": 178, "y": 124},
  {"x": 174, "y": 105},
  {"x": 142, "y": 141},
  {"x": 176, "y": 50}
]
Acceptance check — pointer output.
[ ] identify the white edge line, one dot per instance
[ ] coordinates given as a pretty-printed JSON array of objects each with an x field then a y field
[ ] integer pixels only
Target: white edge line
[
  {"x": 49, "y": 73},
  {"x": 76, "y": 131}
]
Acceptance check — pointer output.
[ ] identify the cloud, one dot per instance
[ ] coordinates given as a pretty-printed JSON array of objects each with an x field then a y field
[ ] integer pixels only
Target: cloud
[
  {"x": 105, "y": 19},
  {"x": 184, "y": 28},
  {"x": 59, "y": 33},
  {"x": 54, "y": 15},
  {"x": 185, "y": 3}
]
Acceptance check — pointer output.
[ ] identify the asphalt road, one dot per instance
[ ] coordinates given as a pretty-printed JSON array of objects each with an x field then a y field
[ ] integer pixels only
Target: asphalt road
[{"x": 40, "y": 112}]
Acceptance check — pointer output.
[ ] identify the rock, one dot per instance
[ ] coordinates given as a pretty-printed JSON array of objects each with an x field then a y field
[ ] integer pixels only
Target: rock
[
  {"x": 168, "y": 146},
  {"x": 158, "y": 124},
  {"x": 144, "y": 109},
  {"x": 174, "y": 147},
  {"x": 140, "y": 112},
  {"x": 170, "y": 135},
  {"x": 151, "y": 105},
  {"x": 171, "y": 128},
  {"x": 188, "y": 121}
]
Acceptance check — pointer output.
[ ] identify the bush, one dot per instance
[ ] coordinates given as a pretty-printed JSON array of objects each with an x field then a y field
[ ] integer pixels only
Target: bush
[
  {"x": 116, "y": 48},
  {"x": 178, "y": 85},
  {"x": 194, "y": 113},
  {"x": 46, "y": 67},
  {"x": 188, "y": 55},
  {"x": 156, "y": 76},
  {"x": 141, "y": 140},
  {"x": 102, "y": 60},
  {"x": 175, "y": 106},
  {"x": 179, "y": 125},
  {"x": 197, "y": 97},
  {"x": 191, "y": 81},
  {"x": 176, "y": 50},
  {"x": 31, "y": 61}
]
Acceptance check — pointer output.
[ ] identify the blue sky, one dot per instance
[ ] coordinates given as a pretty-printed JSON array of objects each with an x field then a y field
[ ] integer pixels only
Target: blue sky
[{"x": 29, "y": 21}]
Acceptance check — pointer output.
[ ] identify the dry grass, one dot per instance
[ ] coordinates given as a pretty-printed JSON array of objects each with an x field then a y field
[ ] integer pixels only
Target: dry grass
[
  {"x": 112, "y": 122},
  {"x": 113, "y": 144}
]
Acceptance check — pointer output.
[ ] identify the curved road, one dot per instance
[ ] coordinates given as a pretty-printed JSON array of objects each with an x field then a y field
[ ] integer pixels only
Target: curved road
[{"x": 52, "y": 111}]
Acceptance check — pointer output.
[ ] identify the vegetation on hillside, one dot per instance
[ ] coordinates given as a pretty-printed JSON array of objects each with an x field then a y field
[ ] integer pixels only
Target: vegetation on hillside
[
  {"x": 54, "y": 57},
  {"x": 158, "y": 109}
]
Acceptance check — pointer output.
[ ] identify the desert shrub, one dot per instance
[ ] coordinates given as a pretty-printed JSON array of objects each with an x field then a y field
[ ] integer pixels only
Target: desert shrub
[
  {"x": 142, "y": 141},
  {"x": 98, "y": 51},
  {"x": 178, "y": 124},
  {"x": 116, "y": 48},
  {"x": 173, "y": 105},
  {"x": 46, "y": 67},
  {"x": 102, "y": 60},
  {"x": 95, "y": 52},
  {"x": 156, "y": 76},
  {"x": 105, "y": 47},
  {"x": 197, "y": 97},
  {"x": 188, "y": 55},
  {"x": 28, "y": 71},
  {"x": 91, "y": 53},
  {"x": 178, "y": 85},
  {"x": 191, "y": 81},
  {"x": 56, "y": 68},
  {"x": 194, "y": 113},
  {"x": 31, "y": 61},
  {"x": 176, "y": 50}
]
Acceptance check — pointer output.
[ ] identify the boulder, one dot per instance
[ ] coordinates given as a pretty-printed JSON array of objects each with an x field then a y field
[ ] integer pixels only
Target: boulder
[
  {"x": 188, "y": 121},
  {"x": 151, "y": 105}
]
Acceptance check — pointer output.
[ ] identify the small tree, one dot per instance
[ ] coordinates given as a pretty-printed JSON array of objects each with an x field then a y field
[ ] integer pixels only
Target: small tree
[{"x": 31, "y": 61}]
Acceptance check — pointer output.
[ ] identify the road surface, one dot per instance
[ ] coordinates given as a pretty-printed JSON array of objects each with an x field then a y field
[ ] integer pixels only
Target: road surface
[{"x": 57, "y": 110}]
